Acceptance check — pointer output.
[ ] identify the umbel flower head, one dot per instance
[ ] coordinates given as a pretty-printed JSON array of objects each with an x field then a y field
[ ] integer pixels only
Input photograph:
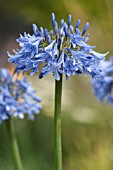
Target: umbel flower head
[
  {"x": 17, "y": 97},
  {"x": 103, "y": 85},
  {"x": 63, "y": 50}
]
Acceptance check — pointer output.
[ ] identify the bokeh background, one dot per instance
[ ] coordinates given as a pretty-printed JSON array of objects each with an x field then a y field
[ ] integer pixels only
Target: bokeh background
[{"x": 87, "y": 125}]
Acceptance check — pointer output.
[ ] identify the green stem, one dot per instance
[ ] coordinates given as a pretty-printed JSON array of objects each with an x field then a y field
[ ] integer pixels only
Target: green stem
[
  {"x": 57, "y": 124},
  {"x": 14, "y": 144}
]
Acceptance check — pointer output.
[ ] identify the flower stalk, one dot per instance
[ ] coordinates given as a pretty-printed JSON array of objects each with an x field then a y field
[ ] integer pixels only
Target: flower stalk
[
  {"x": 14, "y": 144},
  {"x": 57, "y": 124}
]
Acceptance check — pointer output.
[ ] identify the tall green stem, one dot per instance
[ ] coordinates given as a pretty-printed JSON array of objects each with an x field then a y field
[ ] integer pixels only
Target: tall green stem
[
  {"x": 14, "y": 145},
  {"x": 57, "y": 124}
]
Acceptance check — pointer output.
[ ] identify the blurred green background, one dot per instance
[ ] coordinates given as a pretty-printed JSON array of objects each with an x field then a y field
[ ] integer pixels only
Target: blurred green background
[{"x": 87, "y": 125}]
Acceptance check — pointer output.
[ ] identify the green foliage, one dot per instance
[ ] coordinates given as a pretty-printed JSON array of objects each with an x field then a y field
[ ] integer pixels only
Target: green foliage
[{"x": 85, "y": 145}]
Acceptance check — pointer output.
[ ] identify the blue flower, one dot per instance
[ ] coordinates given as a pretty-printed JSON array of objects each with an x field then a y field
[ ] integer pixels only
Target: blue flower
[
  {"x": 17, "y": 97},
  {"x": 63, "y": 50},
  {"x": 103, "y": 85}
]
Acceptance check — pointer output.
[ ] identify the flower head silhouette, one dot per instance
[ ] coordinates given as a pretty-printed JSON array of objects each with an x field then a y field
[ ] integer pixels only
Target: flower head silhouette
[
  {"x": 17, "y": 97},
  {"x": 63, "y": 50},
  {"x": 103, "y": 85}
]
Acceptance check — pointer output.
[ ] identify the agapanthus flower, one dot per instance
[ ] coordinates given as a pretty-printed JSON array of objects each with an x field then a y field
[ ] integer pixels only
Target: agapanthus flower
[
  {"x": 17, "y": 97},
  {"x": 103, "y": 85},
  {"x": 62, "y": 50}
]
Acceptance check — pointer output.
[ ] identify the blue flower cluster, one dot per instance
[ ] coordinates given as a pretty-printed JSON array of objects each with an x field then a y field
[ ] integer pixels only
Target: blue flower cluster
[
  {"x": 104, "y": 84},
  {"x": 63, "y": 50},
  {"x": 17, "y": 97}
]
